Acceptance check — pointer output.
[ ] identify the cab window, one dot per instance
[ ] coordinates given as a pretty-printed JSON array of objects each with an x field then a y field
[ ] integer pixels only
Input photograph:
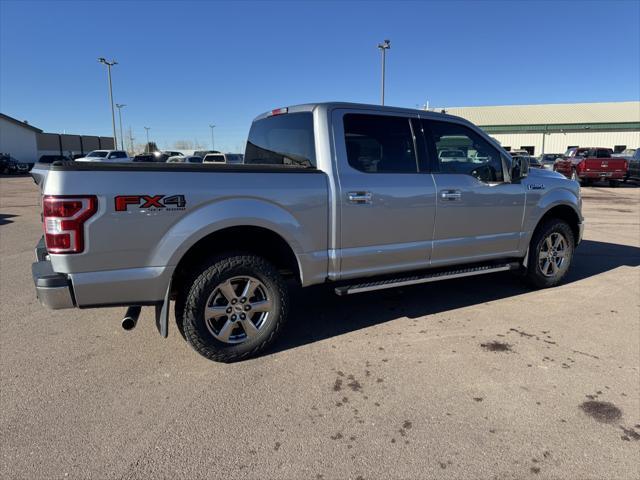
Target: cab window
[
  {"x": 379, "y": 143},
  {"x": 460, "y": 150}
]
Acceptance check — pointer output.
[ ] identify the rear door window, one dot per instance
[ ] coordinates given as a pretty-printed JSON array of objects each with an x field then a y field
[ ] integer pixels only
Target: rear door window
[
  {"x": 379, "y": 143},
  {"x": 285, "y": 139}
]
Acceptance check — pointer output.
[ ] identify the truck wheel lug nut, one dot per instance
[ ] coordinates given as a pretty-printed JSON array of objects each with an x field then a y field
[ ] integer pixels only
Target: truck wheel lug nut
[
  {"x": 242, "y": 316},
  {"x": 233, "y": 317},
  {"x": 234, "y": 301},
  {"x": 247, "y": 307},
  {"x": 243, "y": 299},
  {"x": 229, "y": 310}
]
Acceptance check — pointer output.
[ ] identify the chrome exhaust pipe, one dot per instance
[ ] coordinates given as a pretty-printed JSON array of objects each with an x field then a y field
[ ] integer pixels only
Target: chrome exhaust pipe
[{"x": 131, "y": 318}]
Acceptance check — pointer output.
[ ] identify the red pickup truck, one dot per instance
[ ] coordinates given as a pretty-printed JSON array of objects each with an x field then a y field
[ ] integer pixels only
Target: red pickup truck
[{"x": 585, "y": 165}]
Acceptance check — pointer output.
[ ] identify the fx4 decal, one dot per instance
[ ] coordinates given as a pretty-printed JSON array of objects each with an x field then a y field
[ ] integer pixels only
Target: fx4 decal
[{"x": 151, "y": 202}]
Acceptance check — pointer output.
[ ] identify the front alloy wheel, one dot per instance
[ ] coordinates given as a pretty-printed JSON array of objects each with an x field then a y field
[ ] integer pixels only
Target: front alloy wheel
[{"x": 552, "y": 254}]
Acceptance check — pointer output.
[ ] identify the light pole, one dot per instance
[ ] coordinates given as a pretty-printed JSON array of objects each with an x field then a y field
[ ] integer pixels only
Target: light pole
[
  {"x": 147, "y": 130},
  {"x": 113, "y": 113},
  {"x": 213, "y": 145},
  {"x": 119, "y": 107},
  {"x": 384, "y": 46}
]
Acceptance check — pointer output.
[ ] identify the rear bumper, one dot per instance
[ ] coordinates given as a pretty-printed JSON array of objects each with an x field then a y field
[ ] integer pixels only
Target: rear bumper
[
  {"x": 604, "y": 175},
  {"x": 53, "y": 289}
]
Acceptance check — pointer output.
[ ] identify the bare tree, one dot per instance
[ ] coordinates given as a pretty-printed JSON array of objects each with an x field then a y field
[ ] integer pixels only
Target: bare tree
[{"x": 184, "y": 145}]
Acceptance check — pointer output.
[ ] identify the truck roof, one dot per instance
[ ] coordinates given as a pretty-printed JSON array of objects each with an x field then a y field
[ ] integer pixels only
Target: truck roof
[{"x": 309, "y": 107}]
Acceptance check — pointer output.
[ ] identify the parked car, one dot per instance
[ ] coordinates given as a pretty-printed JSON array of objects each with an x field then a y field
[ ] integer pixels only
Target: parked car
[
  {"x": 229, "y": 158},
  {"x": 204, "y": 153},
  {"x": 520, "y": 152},
  {"x": 112, "y": 156},
  {"x": 633, "y": 171},
  {"x": 626, "y": 153},
  {"x": 585, "y": 165},
  {"x": 53, "y": 158},
  {"x": 184, "y": 159},
  {"x": 332, "y": 193},
  {"x": 549, "y": 159},
  {"x": 151, "y": 157},
  {"x": 533, "y": 161},
  {"x": 452, "y": 155},
  {"x": 172, "y": 153},
  {"x": 9, "y": 165},
  {"x": 144, "y": 157}
]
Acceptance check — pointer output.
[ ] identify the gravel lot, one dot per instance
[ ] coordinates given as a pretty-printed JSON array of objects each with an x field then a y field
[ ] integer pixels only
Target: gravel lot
[{"x": 477, "y": 378}]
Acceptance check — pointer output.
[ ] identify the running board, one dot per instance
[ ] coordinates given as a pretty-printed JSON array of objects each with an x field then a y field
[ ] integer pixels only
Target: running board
[{"x": 426, "y": 278}]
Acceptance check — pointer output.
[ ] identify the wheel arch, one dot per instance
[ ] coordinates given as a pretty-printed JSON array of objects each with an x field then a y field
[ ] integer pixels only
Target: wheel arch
[
  {"x": 246, "y": 239},
  {"x": 566, "y": 213}
]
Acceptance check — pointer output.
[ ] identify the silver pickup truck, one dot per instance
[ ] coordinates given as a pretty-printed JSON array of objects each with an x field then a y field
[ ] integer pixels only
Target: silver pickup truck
[{"x": 361, "y": 196}]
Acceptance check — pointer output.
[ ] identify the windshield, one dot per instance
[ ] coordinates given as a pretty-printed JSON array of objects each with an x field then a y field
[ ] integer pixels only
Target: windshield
[{"x": 97, "y": 153}]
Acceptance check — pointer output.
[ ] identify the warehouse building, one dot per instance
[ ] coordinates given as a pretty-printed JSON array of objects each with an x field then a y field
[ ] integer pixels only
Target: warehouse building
[
  {"x": 555, "y": 127},
  {"x": 27, "y": 143}
]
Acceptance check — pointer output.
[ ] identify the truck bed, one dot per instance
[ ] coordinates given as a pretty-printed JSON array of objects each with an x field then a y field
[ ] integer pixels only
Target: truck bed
[{"x": 141, "y": 246}]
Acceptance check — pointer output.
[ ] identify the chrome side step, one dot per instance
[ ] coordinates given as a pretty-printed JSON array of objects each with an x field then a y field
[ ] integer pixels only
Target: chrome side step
[{"x": 426, "y": 278}]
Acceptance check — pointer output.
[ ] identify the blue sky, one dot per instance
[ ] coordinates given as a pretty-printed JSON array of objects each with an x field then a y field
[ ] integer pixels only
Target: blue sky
[{"x": 184, "y": 65}]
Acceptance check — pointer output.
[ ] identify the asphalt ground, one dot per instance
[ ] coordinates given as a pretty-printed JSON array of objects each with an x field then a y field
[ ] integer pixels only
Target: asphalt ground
[{"x": 470, "y": 378}]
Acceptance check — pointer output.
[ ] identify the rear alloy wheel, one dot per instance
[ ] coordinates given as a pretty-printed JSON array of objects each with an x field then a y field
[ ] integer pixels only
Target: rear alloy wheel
[
  {"x": 550, "y": 254},
  {"x": 234, "y": 308}
]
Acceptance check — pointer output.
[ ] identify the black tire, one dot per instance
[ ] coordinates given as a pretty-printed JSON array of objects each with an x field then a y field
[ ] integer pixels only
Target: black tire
[
  {"x": 190, "y": 309},
  {"x": 613, "y": 183},
  {"x": 534, "y": 274}
]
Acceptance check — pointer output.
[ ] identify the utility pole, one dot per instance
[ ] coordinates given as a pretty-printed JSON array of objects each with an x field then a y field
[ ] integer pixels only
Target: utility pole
[
  {"x": 384, "y": 46},
  {"x": 213, "y": 144},
  {"x": 147, "y": 129},
  {"x": 113, "y": 113},
  {"x": 131, "y": 139},
  {"x": 119, "y": 107}
]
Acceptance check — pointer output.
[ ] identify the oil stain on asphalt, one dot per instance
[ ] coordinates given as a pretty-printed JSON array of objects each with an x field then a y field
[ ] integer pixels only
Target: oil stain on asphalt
[
  {"x": 603, "y": 412},
  {"x": 496, "y": 346}
]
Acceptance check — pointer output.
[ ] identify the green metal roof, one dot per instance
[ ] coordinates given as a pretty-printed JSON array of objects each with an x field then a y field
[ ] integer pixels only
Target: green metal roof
[{"x": 559, "y": 127}]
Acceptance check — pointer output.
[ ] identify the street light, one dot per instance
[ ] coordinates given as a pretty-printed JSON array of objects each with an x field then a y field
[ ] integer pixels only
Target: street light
[
  {"x": 384, "y": 46},
  {"x": 147, "y": 129},
  {"x": 119, "y": 107},
  {"x": 113, "y": 113},
  {"x": 213, "y": 147}
]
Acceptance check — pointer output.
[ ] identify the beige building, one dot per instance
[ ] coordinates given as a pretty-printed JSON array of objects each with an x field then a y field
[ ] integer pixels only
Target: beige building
[{"x": 553, "y": 128}]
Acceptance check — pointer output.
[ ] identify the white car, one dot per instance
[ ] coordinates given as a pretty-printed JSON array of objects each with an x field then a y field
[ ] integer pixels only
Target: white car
[
  {"x": 228, "y": 158},
  {"x": 113, "y": 156}
]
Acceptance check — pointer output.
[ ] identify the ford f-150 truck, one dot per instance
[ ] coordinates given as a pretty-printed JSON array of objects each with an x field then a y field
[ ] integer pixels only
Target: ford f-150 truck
[
  {"x": 358, "y": 196},
  {"x": 588, "y": 164}
]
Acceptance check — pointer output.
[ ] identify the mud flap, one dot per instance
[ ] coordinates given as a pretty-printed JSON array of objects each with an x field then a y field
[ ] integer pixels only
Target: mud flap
[{"x": 162, "y": 314}]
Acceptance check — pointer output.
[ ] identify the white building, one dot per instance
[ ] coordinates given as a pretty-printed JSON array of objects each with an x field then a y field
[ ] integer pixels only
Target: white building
[
  {"x": 18, "y": 139},
  {"x": 555, "y": 127},
  {"x": 27, "y": 143}
]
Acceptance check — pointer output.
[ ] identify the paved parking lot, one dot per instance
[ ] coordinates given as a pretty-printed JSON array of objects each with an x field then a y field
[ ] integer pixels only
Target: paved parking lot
[{"x": 476, "y": 378}]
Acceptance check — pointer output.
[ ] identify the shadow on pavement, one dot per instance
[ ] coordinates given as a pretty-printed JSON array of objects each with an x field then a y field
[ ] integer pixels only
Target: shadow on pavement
[
  {"x": 4, "y": 218},
  {"x": 318, "y": 314}
]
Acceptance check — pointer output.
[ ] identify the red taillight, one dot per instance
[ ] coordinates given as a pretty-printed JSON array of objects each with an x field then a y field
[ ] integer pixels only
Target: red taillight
[
  {"x": 279, "y": 111},
  {"x": 64, "y": 218}
]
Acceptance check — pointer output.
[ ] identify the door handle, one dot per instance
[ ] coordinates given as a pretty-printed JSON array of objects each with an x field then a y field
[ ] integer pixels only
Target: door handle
[
  {"x": 451, "y": 194},
  {"x": 359, "y": 197}
]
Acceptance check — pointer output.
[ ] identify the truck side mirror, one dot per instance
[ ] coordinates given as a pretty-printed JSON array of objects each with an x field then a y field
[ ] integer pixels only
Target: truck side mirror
[{"x": 519, "y": 168}]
